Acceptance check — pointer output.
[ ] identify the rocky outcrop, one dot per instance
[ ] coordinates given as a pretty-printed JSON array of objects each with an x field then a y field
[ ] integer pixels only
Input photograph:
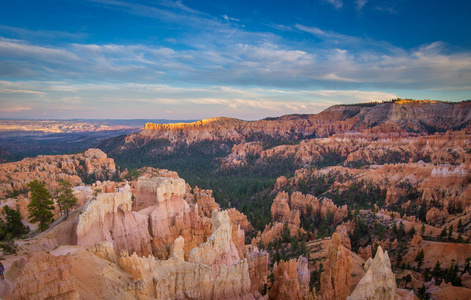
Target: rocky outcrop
[
  {"x": 273, "y": 232},
  {"x": 205, "y": 200},
  {"x": 337, "y": 276},
  {"x": 164, "y": 216},
  {"x": 416, "y": 240},
  {"x": 434, "y": 214},
  {"x": 241, "y": 152},
  {"x": 286, "y": 284},
  {"x": 304, "y": 278},
  {"x": 160, "y": 190},
  {"x": 52, "y": 169},
  {"x": 291, "y": 280},
  {"x": 379, "y": 281},
  {"x": 170, "y": 216},
  {"x": 280, "y": 210},
  {"x": 213, "y": 271},
  {"x": 219, "y": 249},
  {"x": 344, "y": 230},
  {"x": 109, "y": 218},
  {"x": 366, "y": 252},
  {"x": 104, "y": 250},
  {"x": 281, "y": 182},
  {"x": 206, "y": 204},
  {"x": 238, "y": 218},
  {"x": 258, "y": 269},
  {"x": 45, "y": 276},
  {"x": 289, "y": 208}
]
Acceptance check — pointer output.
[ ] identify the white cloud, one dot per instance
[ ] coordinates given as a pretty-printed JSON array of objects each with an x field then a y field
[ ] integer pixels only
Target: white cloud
[
  {"x": 360, "y": 4},
  {"x": 20, "y": 49},
  {"x": 336, "y": 3},
  {"x": 228, "y": 19},
  {"x": 130, "y": 100},
  {"x": 264, "y": 64}
]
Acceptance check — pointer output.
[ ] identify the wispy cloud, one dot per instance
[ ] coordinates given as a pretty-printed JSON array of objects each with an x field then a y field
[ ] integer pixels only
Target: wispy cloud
[
  {"x": 14, "y": 109},
  {"x": 17, "y": 48},
  {"x": 42, "y": 34},
  {"x": 431, "y": 65},
  {"x": 336, "y": 3},
  {"x": 327, "y": 35},
  {"x": 152, "y": 100},
  {"x": 360, "y": 4},
  {"x": 180, "y": 6},
  {"x": 13, "y": 91},
  {"x": 388, "y": 7},
  {"x": 227, "y": 18},
  {"x": 178, "y": 12},
  {"x": 216, "y": 63}
]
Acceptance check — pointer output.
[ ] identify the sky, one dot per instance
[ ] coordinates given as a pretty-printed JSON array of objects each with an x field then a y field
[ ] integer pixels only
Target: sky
[{"x": 195, "y": 59}]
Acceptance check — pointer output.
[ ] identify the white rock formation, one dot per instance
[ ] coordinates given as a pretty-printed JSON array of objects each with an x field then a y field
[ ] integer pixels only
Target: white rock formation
[{"x": 378, "y": 282}]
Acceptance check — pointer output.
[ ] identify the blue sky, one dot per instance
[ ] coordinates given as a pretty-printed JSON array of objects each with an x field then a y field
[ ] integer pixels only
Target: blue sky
[{"x": 246, "y": 59}]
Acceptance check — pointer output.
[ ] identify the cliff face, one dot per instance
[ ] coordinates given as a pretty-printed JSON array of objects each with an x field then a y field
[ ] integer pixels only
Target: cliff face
[
  {"x": 400, "y": 116},
  {"x": 219, "y": 249},
  {"x": 109, "y": 218},
  {"x": 379, "y": 281},
  {"x": 417, "y": 116}
]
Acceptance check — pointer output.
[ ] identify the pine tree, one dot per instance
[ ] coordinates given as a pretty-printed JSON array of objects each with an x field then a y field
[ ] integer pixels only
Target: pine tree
[
  {"x": 412, "y": 231},
  {"x": 41, "y": 205},
  {"x": 423, "y": 212},
  {"x": 450, "y": 232},
  {"x": 443, "y": 233},
  {"x": 437, "y": 271},
  {"x": 419, "y": 259},
  {"x": 66, "y": 199},
  {"x": 398, "y": 258},
  {"x": 13, "y": 224},
  {"x": 407, "y": 279},
  {"x": 394, "y": 228},
  {"x": 402, "y": 231},
  {"x": 422, "y": 293}
]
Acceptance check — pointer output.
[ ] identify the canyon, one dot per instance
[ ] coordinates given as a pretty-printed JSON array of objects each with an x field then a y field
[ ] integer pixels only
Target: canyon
[{"x": 338, "y": 205}]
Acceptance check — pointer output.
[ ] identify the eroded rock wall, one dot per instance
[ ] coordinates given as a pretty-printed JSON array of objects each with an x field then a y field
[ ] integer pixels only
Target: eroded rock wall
[{"x": 337, "y": 276}]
